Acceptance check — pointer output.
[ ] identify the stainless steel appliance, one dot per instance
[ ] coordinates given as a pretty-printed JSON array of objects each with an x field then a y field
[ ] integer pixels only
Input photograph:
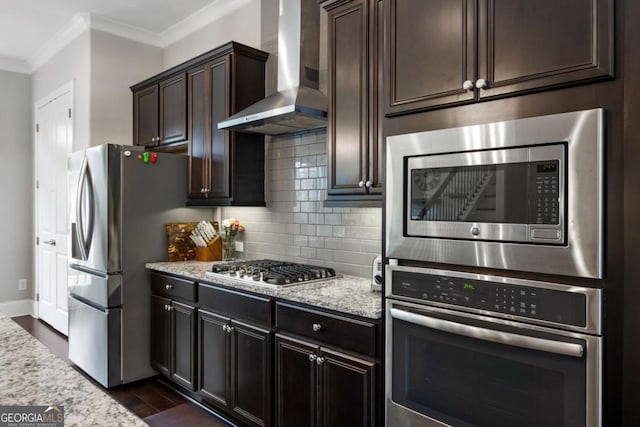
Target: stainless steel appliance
[
  {"x": 120, "y": 200},
  {"x": 298, "y": 105},
  {"x": 520, "y": 195},
  {"x": 465, "y": 349},
  {"x": 266, "y": 272}
]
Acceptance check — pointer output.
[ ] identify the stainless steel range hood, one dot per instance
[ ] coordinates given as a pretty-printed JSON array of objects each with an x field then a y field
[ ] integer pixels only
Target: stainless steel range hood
[{"x": 298, "y": 105}]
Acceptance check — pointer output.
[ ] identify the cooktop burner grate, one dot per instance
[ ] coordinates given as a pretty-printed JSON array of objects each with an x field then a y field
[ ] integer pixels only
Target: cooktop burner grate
[{"x": 270, "y": 272}]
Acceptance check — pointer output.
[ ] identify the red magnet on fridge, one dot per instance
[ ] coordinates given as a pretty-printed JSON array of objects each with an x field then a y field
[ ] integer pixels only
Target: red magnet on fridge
[{"x": 154, "y": 157}]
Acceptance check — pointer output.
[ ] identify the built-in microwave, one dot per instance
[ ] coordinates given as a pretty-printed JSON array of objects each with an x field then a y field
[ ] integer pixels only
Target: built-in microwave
[{"x": 520, "y": 195}]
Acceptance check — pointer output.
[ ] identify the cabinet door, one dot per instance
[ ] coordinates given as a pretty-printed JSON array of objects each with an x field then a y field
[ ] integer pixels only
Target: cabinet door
[
  {"x": 160, "y": 334},
  {"x": 295, "y": 383},
  {"x": 173, "y": 110},
  {"x": 347, "y": 391},
  {"x": 213, "y": 358},
  {"x": 251, "y": 383},
  {"x": 145, "y": 116},
  {"x": 183, "y": 351},
  {"x": 430, "y": 53},
  {"x": 530, "y": 45},
  {"x": 348, "y": 96},
  {"x": 199, "y": 130},
  {"x": 218, "y": 178}
]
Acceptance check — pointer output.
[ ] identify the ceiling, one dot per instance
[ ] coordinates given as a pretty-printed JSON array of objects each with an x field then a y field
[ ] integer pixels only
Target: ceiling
[{"x": 26, "y": 26}]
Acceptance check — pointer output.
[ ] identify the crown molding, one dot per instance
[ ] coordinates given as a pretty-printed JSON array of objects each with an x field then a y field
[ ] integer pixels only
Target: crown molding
[
  {"x": 200, "y": 19},
  {"x": 15, "y": 65},
  {"x": 125, "y": 31},
  {"x": 83, "y": 21},
  {"x": 76, "y": 26}
]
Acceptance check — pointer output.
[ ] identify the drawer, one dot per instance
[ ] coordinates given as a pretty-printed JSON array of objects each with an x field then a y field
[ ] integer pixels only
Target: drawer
[
  {"x": 236, "y": 305},
  {"x": 173, "y": 287},
  {"x": 337, "y": 331}
]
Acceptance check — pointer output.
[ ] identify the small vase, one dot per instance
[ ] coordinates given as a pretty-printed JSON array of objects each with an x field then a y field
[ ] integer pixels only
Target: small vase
[{"x": 228, "y": 249}]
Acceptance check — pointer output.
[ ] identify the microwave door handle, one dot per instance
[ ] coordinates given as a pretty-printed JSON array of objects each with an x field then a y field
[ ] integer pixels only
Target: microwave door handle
[{"x": 507, "y": 338}]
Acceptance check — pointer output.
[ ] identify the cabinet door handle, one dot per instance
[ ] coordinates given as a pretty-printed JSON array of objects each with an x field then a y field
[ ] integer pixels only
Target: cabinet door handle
[
  {"x": 316, "y": 327},
  {"x": 166, "y": 307},
  {"x": 320, "y": 360},
  {"x": 312, "y": 358},
  {"x": 225, "y": 328},
  {"x": 168, "y": 286},
  {"x": 229, "y": 329},
  {"x": 368, "y": 184},
  {"x": 361, "y": 184},
  {"x": 481, "y": 84},
  {"x": 467, "y": 85}
]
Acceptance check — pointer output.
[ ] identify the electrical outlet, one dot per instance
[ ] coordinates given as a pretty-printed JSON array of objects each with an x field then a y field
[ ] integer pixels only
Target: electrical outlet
[
  {"x": 239, "y": 246},
  {"x": 22, "y": 284}
]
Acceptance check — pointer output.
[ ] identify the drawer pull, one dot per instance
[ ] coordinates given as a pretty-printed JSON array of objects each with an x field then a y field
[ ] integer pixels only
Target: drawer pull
[
  {"x": 316, "y": 327},
  {"x": 168, "y": 286},
  {"x": 312, "y": 358}
]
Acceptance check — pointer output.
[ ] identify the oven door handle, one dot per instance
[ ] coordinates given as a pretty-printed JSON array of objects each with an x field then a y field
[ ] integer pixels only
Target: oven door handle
[{"x": 507, "y": 338}]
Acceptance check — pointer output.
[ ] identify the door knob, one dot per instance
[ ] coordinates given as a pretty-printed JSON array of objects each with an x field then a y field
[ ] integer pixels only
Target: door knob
[{"x": 50, "y": 242}]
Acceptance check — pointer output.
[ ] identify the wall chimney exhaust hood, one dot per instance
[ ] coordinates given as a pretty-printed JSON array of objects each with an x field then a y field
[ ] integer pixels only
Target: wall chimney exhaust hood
[{"x": 298, "y": 105}]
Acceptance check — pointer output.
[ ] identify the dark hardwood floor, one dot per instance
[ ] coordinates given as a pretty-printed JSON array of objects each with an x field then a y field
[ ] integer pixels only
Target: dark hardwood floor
[{"x": 150, "y": 399}]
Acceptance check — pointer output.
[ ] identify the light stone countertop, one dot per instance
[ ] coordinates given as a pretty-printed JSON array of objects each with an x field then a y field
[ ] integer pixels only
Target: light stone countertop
[
  {"x": 32, "y": 375},
  {"x": 345, "y": 294}
]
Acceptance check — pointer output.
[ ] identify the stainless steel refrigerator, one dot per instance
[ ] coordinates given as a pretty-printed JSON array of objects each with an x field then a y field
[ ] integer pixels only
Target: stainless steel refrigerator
[{"x": 118, "y": 207}]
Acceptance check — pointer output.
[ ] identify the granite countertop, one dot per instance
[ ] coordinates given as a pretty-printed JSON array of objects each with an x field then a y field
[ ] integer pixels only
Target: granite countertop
[
  {"x": 32, "y": 375},
  {"x": 345, "y": 294}
]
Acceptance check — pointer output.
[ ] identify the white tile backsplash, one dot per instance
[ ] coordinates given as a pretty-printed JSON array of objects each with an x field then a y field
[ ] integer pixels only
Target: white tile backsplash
[{"x": 295, "y": 226}]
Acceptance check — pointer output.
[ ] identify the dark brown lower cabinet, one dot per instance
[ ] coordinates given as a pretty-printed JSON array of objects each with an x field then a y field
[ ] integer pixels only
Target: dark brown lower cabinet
[
  {"x": 173, "y": 340},
  {"x": 317, "y": 386},
  {"x": 235, "y": 367}
]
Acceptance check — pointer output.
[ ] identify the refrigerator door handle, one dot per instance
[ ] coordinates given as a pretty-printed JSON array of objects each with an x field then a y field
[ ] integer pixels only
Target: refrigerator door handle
[{"x": 84, "y": 242}]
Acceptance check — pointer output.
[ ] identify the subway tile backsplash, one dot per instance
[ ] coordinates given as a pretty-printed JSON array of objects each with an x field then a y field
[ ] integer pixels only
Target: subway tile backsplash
[{"x": 295, "y": 226}]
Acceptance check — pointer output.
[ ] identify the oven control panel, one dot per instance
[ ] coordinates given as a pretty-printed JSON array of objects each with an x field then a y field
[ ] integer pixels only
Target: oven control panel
[{"x": 540, "y": 303}]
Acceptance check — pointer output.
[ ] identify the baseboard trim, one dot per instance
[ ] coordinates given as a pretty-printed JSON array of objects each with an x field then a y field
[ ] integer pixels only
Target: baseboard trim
[{"x": 18, "y": 308}]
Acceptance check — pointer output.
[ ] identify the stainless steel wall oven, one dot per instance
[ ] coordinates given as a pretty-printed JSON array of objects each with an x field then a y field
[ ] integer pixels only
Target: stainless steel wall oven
[
  {"x": 520, "y": 195},
  {"x": 472, "y": 350}
]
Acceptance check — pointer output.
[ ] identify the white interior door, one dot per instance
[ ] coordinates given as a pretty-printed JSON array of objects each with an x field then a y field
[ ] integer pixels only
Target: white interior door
[{"x": 54, "y": 142}]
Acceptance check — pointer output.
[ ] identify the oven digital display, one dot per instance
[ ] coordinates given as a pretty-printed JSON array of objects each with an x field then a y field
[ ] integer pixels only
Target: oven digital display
[{"x": 536, "y": 303}]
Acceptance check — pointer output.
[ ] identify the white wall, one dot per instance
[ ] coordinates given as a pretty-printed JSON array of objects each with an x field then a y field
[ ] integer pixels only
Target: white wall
[
  {"x": 16, "y": 185},
  {"x": 72, "y": 63},
  {"x": 116, "y": 64},
  {"x": 242, "y": 26}
]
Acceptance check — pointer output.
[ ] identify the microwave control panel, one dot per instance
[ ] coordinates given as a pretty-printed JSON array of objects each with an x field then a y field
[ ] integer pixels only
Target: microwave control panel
[
  {"x": 545, "y": 200},
  {"x": 523, "y": 301}
]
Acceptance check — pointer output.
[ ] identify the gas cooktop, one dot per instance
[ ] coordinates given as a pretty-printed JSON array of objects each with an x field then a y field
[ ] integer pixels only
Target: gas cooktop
[{"x": 268, "y": 272}]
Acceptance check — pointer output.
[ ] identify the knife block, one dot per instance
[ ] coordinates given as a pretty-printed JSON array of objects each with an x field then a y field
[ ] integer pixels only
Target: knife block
[{"x": 213, "y": 252}]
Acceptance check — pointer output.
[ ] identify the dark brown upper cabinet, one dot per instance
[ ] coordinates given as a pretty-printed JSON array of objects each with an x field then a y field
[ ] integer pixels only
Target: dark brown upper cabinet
[
  {"x": 446, "y": 52},
  {"x": 226, "y": 168},
  {"x": 160, "y": 112},
  {"x": 354, "y": 141},
  {"x": 180, "y": 108}
]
